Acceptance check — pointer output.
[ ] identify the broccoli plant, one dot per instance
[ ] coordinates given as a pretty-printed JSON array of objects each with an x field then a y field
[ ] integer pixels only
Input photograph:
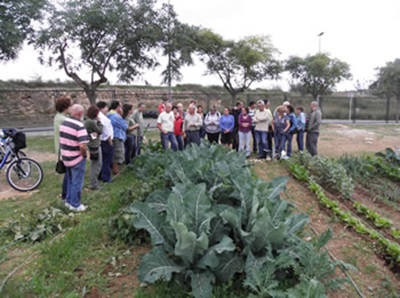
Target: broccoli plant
[{"x": 215, "y": 222}]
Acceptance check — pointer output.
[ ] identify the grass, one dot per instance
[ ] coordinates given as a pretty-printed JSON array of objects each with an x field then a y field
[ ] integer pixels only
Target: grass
[
  {"x": 83, "y": 248},
  {"x": 41, "y": 144}
]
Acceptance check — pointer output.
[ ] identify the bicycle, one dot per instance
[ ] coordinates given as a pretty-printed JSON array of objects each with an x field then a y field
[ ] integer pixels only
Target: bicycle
[
  {"x": 3, "y": 152},
  {"x": 23, "y": 173}
]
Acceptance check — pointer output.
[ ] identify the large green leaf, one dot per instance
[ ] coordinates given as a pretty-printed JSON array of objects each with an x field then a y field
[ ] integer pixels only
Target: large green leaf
[
  {"x": 218, "y": 230},
  {"x": 148, "y": 219},
  {"x": 230, "y": 263},
  {"x": 210, "y": 258},
  {"x": 296, "y": 223},
  {"x": 278, "y": 186},
  {"x": 233, "y": 216},
  {"x": 197, "y": 209},
  {"x": 175, "y": 210},
  {"x": 158, "y": 199},
  {"x": 267, "y": 232},
  {"x": 188, "y": 245},
  {"x": 156, "y": 265},
  {"x": 202, "y": 284}
]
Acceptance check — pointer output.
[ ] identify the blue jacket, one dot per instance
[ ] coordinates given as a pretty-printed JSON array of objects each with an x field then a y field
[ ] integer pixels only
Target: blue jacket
[
  {"x": 226, "y": 122},
  {"x": 301, "y": 121},
  {"x": 119, "y": 126},
  {"x": 293, "y": 122}
]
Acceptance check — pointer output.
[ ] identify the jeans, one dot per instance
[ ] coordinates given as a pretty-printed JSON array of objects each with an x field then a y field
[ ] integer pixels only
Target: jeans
[
  {"x": 107, "y": 154},
  {"x": 129, "y": 146},
  {"x": 235, "y": 139},
  {"x": 202, "y": 132},
  {"x": 261, "y": 139},
  {"x": 136, "y": 146},
  {"x": 193, "y": 137},
  {"x": 289, "y": 138},
  {"x": 95, "y": 169},
  {"x": 181, "y": 144},
  {"x": 312, "y": 143},
  {"x": 244, "y": 142},
  {"x": 213, "y": 137},
  {"x": 169, "y": 137},
  {"x": 280, "y": 140},
  {"x": 253, "y": 133},
  {"x": 300, "y": 140},
  {"x": 75, "y": 176},
  {"x": 64, "y": 187}
]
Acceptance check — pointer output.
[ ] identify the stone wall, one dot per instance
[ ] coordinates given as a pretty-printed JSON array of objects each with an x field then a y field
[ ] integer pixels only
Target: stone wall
[{"x": 35, "y": 107}]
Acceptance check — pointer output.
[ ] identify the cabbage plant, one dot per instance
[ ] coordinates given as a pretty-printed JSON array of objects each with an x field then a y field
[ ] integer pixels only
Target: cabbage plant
[{"x": 215, "y": 222}]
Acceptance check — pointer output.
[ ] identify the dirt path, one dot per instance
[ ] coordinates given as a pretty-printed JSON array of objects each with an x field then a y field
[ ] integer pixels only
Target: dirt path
[{"x": 338, "y": 139}]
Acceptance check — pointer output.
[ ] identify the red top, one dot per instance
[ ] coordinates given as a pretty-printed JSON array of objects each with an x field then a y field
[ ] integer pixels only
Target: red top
[
  {"x": 243, "y": 120},
  {"x": 161, "y": 108},
  {"x": 178, "y": 125}
]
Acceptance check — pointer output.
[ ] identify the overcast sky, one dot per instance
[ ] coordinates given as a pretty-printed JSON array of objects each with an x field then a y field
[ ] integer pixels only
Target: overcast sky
[{"x": 364, "y": 34}]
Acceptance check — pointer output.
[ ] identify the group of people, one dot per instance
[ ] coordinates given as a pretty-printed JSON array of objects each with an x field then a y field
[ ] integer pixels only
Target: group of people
[
  {"x": 112, "y": 135},
  {"x": 237, "y": 126}
]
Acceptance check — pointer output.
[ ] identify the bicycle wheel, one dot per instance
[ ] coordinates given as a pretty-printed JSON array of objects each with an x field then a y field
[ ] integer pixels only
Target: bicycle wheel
[{"x": 24, "y": 174}]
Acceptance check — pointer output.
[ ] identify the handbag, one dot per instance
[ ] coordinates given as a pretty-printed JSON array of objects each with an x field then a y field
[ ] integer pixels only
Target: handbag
[{"x": 60, "y": 167}]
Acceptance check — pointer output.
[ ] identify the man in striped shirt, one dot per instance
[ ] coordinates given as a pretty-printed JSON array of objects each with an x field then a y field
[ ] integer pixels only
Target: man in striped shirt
[{"x": 73, "y": 140}]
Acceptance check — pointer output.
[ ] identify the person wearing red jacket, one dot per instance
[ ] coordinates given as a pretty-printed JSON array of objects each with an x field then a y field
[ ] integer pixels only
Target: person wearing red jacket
[
  {"x": 178, "y": 128},
  {"x": 161, "y": 106}
]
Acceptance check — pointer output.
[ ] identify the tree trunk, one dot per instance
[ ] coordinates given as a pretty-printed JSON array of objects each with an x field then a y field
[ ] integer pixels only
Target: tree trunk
[
  {"x": 398, "y": 109},
  {"x": 233, "y": 98},
  {"x": 91, "y": 95}
]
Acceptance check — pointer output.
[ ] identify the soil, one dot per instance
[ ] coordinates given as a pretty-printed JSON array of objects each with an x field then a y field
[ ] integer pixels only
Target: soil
[
  {"x": 346, "y": 245},
  {"x": 338, "y": 139}
]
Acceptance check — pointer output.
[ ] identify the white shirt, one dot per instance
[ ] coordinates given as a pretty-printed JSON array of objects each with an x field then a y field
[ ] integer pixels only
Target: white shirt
[
  {"x": 107, "y": 127},
  {"x": 167, "y": 121}
]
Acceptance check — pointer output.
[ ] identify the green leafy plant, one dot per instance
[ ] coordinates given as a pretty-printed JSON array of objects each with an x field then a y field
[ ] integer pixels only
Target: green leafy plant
[
  {"x": 387, "y": 164},
  {"x": 378, "y": 220},
  {"x": 213, "y": 221},
  {"x": 390, "y": 156},
  {"x": 358, "y": 167},
  {"x": 37, "y": 226},
  {"x": 327, "y": 172}
]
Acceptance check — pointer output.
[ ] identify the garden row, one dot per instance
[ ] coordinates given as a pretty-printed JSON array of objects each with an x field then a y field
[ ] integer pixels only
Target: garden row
[
  {"x": 213, "y": 223},
  {"x": 339, "y": 176}
]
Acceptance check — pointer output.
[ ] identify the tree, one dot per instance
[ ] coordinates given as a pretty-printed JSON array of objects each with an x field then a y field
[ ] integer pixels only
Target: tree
[
  {"x": 318, "y": 74},
  {"x": 16, "y": 18},
  {"x": 238, "y": 63},
  {"x": 177, "y": 44},
  {"x": 100, "y": 36},
  {"x": 388, "y": 83}
]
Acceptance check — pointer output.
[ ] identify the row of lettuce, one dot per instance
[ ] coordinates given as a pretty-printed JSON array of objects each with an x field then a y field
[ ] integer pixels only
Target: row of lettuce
[
  {"x": 212, "y": 222},
  {"x": 339, "y": 176}
]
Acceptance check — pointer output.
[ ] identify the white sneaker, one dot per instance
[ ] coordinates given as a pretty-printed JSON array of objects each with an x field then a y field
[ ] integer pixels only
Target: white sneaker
[
  {"x": 269, "y": 158},
  {"x": 80, "y": 208}
]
